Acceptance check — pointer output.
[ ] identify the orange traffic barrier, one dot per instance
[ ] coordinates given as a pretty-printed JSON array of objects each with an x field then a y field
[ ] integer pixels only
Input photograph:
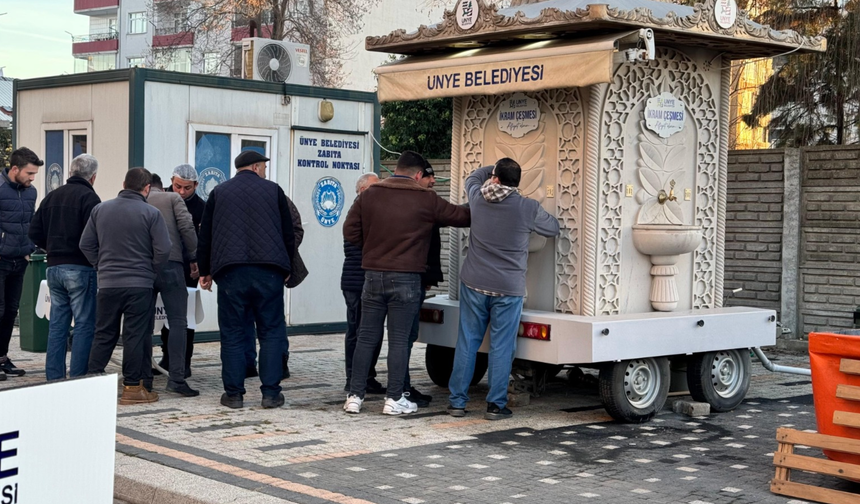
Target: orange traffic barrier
[{"x": 835, "y": 363}]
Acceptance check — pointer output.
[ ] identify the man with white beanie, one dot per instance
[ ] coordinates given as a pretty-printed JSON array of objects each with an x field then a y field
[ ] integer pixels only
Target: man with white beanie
[{"x": 184, "y": 183}]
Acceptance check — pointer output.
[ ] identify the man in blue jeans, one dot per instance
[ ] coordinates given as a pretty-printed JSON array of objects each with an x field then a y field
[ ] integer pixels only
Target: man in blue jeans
[
  {"x": 493, "y": 280},
  {"x": 246, "y": 245},
  {"x": 391, "y": 222},
  {"x": 57, "y": 228},
  {"x": 17, "y": 204}
]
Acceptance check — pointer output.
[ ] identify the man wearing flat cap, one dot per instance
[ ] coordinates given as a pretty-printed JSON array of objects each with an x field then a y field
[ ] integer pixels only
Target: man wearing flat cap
[{"x": 246, "y": 246}]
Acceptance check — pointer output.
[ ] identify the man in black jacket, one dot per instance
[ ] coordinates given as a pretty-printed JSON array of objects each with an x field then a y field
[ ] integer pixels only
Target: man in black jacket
[
  {"x": 57, "y": 228},
  {"x": 17, "y": 204},
  {"x": 246, "y": 245},
  {"x": 184, "y": 183},
  {"x": 351, "y": 283}
]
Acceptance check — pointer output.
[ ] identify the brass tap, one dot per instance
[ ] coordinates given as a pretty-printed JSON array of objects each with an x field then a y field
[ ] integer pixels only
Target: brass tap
[{"x": 662, "y": 197}]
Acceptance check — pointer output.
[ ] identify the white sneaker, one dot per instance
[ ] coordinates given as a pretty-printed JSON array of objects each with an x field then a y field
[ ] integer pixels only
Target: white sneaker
[
  {"x": 353, "y": 404},
  {"x": 400, "y": 406}
]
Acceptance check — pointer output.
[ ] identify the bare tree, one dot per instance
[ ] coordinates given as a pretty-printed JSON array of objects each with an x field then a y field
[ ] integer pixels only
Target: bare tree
[{"x": 321, "y": 24}]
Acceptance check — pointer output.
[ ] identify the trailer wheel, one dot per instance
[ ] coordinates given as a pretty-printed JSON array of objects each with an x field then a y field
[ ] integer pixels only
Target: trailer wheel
[
  {"x": 439, "y": 361},
  {"x": 635, "y": 390},
  {"x": 719, "y": 378}
]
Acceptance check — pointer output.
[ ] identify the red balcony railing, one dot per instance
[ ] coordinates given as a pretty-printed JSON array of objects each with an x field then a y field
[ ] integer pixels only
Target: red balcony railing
[
  {"x": 185, "y": 38},
  {"x": 240, "y": 32},
  {"x": 95, "y": 46},
  {"x": 93, "y": 5}
]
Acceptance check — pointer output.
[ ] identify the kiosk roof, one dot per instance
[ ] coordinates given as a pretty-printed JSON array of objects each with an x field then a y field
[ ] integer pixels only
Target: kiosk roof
[{"x": 673, "y": 24}]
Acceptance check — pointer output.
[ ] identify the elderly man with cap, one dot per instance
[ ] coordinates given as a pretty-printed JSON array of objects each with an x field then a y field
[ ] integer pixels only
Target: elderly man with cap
[
  {"x": 246, "y": 246},
  {"x": 184, "y": 183}
]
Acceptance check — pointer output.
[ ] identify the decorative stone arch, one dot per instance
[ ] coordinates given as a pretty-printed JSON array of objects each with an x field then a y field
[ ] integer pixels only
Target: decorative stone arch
[
  {"x": 565, "y": 106},
  {"x": 631, "y": 84}
]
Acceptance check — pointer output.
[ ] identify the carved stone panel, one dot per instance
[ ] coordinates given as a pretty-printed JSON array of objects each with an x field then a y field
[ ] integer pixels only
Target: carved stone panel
[
  {"x": 558, "y": 142},
  {"x": 676, "y": 73}
]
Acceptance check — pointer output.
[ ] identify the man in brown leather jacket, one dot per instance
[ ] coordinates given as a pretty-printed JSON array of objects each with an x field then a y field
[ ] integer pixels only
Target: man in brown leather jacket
[{"x": 392, "y": 222}]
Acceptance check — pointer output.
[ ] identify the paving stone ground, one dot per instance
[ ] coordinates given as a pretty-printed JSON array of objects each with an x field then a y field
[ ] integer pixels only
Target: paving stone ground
[{"x": 561, "y": 448}]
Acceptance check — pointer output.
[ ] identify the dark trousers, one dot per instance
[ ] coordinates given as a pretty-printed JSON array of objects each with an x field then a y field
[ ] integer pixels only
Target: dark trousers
[
  {"x": 397, "y": 296},
  {"x": 11, "y": 282},
  {"x": 171, "y": 284},
  {"x": 137, "y": 305},
  {"x": 249, "y": 295},
  {"x": 413, "y": 337},
  {"x": 353, "y": 322},
  {"x": 189, "y": 333}
]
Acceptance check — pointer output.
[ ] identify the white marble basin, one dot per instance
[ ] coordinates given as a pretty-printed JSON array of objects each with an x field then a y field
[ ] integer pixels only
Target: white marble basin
[{"x": 666, "y": 239}]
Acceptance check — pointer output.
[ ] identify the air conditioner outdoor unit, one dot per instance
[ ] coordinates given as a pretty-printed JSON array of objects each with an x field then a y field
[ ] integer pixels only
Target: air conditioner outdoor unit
[{"x": 276, "y": 61}]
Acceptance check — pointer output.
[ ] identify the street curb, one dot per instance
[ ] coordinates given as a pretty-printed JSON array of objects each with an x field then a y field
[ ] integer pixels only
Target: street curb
[{"x": 138, "y": 492}]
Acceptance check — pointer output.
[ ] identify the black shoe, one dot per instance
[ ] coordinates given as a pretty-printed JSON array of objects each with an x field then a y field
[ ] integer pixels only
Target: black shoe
[
  {"x": 232, "y": 401},
  {"x": 496, "y": 413},
  {"x": 456, "y": 412},
  {"x": 286, "y": 368},
  {"x": 183, "y": 390},
  {"x": 422, "y": 403},
  {"x": 10, "y": 369},
  {"x": 414, "y": 394},
  {"x": 374, "y": 387},
  {"x": 251, "y": 372},
  {"x": 273, "y": 402}
]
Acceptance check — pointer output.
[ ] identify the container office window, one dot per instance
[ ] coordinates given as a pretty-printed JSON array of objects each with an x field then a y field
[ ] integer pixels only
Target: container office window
[
  {"x": 136, "y": 22},
  {"x": 63, "y": 142},
  {"x": 213, "y": 153}
]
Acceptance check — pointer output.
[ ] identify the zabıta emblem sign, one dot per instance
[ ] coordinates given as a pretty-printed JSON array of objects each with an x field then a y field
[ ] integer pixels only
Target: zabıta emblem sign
[{"x": 328, "y": 199}]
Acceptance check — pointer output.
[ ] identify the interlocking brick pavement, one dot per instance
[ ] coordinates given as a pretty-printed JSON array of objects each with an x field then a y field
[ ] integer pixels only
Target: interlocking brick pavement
[{"x": 561, "y": 448}]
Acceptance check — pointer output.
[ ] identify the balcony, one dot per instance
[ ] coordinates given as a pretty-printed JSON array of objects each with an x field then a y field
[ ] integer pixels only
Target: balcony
[
  {"x": 172, "y": 36},
  {"x": 241, "y": 32},
  {"x": 96, "y": 7},
  {"x": 100, "y": 42}
]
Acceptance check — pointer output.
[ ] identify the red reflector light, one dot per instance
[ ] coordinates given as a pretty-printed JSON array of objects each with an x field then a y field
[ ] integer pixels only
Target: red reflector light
[
  {"x": 432, "y": 316},
  {"x": 534, "y": 331}
]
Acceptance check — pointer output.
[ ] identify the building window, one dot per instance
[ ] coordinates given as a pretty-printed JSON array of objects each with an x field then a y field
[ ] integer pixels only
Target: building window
[
  {"x": 138, "y": 61},
  {"x": 136, "y": 22},
  {"x": 96, "y": 63},
  {"x": 176, "y": 60},
  {"x": 212, "y": 63}
]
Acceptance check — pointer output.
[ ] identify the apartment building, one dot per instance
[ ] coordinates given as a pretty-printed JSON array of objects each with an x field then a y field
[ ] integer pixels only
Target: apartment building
[{"x": 156, "y": 34}]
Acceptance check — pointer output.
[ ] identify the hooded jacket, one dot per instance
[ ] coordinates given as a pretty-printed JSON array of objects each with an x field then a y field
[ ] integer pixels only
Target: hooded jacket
[{"x": 499, "y": 237}]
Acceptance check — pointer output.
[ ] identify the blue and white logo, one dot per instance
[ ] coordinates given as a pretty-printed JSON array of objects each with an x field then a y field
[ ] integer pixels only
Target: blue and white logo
[
  {"x": 209, "y": 180},
  {"x": 328, "y": 199},
  {"x": 55, "y": 177}
]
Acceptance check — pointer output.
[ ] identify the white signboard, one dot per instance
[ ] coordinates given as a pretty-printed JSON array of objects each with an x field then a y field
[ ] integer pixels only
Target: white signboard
[
  {"x": 467, "y": 13},
  {"x": 665, "y": 114},
  {"x": 53, "y": 448},
  {"x": 326, "y": 167},
  {"x": 726, "y": 12},
  {"x": 519, "y": 115}
]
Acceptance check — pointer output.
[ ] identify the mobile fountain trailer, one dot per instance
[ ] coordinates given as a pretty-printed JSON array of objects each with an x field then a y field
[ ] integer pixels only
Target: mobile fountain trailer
[{"x": 618, "y": 113}]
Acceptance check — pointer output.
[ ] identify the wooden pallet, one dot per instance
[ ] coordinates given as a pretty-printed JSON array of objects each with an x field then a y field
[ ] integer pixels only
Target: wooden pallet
[{"x": 785, "y": 459}]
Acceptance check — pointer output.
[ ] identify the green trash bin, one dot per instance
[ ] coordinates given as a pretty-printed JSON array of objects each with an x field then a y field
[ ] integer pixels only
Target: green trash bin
[{"x": 34, "y": 330}]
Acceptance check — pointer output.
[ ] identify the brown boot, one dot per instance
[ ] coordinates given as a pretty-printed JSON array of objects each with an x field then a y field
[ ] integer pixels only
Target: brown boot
[{"x": 137, "y": 394}]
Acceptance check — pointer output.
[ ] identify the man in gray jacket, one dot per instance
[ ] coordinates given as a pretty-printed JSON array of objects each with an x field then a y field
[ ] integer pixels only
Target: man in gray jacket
[
  {"x": 127, "y": 241},
  {"x": 170, "y": 282},
  {"x": 493, "y": 280}
]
